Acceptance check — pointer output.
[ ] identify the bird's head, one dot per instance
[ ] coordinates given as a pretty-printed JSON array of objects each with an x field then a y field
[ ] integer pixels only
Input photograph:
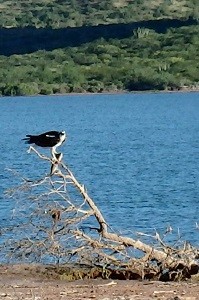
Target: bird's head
[{"x": 62, "y": 135}]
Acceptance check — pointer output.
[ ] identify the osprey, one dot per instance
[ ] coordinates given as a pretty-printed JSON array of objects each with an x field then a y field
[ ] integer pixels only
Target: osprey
[{"x": 50, "y": 139}]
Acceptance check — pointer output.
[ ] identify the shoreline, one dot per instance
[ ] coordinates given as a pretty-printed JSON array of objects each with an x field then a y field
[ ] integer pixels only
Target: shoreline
[
  {"x": 25, "y": 281},
  {"x": 185, "y": 90}
]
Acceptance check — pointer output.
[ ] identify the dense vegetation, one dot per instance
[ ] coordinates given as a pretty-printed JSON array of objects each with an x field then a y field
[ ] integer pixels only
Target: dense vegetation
[
  {"x": 148, "y": 59},
  {"x": 62, "y": 13},
  {"x": 145, "y": 61}
]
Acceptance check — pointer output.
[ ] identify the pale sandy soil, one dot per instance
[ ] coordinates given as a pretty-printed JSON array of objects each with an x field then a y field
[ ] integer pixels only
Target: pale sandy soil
[{"x": 25, "y": 282}]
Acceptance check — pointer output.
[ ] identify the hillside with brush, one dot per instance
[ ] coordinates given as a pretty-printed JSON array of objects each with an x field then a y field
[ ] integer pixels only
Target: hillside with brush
[{"x": 50, "y": 47}]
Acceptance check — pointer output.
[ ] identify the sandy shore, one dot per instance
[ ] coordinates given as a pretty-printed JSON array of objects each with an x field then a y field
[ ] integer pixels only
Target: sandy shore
[{"x": 32, "y": 282}]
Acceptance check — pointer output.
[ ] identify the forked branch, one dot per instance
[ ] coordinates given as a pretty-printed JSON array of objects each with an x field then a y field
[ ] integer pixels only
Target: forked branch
[{"x": 63, "y": 234}]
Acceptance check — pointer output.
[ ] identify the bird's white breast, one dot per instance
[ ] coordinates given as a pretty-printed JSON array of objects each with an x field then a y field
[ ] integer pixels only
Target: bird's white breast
[{"x": 62, "y": 139}]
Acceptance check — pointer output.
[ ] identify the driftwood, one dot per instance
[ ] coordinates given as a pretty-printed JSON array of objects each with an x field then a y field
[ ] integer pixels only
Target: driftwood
[{"x": 64, "y": 225}]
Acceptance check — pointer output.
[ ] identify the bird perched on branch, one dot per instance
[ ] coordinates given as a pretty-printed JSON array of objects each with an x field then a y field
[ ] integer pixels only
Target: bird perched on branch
[{"x": 50, "y": 139}]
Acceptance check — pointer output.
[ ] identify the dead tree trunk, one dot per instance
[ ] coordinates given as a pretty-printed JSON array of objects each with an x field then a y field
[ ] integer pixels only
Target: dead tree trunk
[{"x": 65, "y": 225}]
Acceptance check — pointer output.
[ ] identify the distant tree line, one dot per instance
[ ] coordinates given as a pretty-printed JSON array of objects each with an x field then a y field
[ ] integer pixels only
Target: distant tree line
[
  {"x": 75, "y": 13},
  {"x": 146, "y": 61}
]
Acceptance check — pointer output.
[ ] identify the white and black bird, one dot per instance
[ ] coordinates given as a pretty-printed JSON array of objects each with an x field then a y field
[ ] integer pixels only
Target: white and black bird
[{"x": 50, "y": 139}]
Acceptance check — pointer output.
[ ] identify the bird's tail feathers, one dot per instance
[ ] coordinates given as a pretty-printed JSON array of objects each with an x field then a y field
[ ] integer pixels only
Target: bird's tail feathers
[{"x": 29, "y": 139}]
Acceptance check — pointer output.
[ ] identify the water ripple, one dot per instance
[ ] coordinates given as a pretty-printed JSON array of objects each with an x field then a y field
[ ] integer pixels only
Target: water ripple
[{"x": 137, "y": 154}]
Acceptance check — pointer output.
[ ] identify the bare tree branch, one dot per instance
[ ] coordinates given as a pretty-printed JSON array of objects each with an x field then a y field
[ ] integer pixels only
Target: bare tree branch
[{"x": 64, "y": 223}]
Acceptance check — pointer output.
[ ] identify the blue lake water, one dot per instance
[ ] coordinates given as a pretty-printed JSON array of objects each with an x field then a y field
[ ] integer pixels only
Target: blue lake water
[{"x": 137, "y": 154}]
